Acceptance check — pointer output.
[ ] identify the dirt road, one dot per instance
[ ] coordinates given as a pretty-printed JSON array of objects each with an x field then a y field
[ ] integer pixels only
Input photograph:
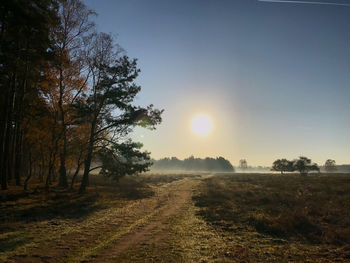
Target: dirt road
[{"x": 162, "y": 228}]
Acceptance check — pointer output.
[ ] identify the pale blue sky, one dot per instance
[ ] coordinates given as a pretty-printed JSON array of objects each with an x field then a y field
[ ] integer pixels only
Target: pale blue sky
[{"x": 274, "y": 77}]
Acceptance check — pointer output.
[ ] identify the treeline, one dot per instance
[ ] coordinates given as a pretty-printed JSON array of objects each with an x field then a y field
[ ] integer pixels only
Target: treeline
[
  {"x": 67, "y": 96},
  {"x": 219, "y": 164}
]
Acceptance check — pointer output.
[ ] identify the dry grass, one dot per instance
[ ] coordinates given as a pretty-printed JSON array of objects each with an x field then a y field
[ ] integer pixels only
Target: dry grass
[
  {"x": 64, "y": 226},
  {"x": 308, "y": 213},
  {"x": 232, "y": 218}
]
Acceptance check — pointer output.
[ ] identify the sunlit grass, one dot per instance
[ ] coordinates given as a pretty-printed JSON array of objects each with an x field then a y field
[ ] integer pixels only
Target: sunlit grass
[
  {"x": 232, "y": 218},
  {"x": 304, "y": 216}
]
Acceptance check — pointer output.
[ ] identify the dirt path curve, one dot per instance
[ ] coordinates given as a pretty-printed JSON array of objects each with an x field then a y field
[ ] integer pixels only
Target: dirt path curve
[
  {"x": 171, "y": 203},
  {"x": 143, "y": 230}
]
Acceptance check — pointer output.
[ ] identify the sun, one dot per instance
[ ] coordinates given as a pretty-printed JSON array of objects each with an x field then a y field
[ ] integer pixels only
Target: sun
[{"x": 201, "y": 124}]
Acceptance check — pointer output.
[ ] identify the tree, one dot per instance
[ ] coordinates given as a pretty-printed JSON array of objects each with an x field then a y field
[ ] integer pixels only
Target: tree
[
  {"x": 108, "y": 107},
  {"x": 67, "y": 95},
  {"x": 75, "y": 26},
  {"x": 79, "y": 136},
  {"x": 243, "y": 165},
  {"x": 330, "y": 166},
  {"x": 25, "y": 49},
  {"x": 123, "y": 159},
  {"x": 304, "y": 165},
  {"x": 282, "y": 165}
]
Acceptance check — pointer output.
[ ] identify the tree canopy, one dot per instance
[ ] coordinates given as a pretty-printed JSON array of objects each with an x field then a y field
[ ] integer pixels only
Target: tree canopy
[
  {"x": 68, "y": 96},
  {"x": 282, "y": 165},
  {"x": 330, "y": 166}
]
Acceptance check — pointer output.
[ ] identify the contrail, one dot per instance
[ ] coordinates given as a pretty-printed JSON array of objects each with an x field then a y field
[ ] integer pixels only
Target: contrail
[{"x": 304, "y": 2}]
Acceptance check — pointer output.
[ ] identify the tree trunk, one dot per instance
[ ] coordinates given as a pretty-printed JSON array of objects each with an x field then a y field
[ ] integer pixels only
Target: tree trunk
[
  {"x": 6, "y": 131},
  {"x": 88, "y": 159},
  {"x": 48, "y": 178},
  {"x": 12, "y": 156},
  {"x": 75, "y": 175},
  {"x": 19, "y": 113},
  {"x": 63, "y": 171},
  {"x": 87, "y": 164},
  {"x": 18, "y": 157},
  {"x": 41, "y": 165},
  {"x": 41, "y": 176},
  {"x": 79, "y": 163},
  {"x": 62, "y": 181},
  {"x": 6, "y": 150},
  {"x": 53, "y": 150},
  {"x": 25, "y": 185},
  {"x": 3, "y": 121}
]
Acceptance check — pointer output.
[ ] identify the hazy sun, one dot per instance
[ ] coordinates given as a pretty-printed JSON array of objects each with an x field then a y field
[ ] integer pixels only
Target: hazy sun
[{"x": 201, "y": 124}]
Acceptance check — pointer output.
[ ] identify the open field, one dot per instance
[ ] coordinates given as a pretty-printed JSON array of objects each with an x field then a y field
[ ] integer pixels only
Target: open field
[
  {"x": 274, "y": 218},
  {"x": 181, "y": 218}
]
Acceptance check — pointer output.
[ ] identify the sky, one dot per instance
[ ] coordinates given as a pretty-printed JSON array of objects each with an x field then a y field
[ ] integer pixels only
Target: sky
[{"x": 273, "y": 77}]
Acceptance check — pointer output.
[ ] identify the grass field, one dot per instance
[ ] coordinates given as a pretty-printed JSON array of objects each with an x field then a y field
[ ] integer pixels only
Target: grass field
[
  {"x": 181, "y": 218},
  {"x": 288, "y": 218}
]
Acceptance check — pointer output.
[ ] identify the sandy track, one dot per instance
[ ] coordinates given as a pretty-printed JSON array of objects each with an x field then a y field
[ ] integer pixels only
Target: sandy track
[
  {"x": 171, "y": 204},
  {"x": 107, "y": 233}
]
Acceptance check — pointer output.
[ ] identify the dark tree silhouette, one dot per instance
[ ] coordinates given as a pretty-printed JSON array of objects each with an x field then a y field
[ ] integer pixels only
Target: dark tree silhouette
[
  {"x": 123, "y": 159},
  {"x": 25, "y": 49},
  {"x": 75, "y": 26},
  {"x": 108, "y": 108},
  {"x": 243, "y": 165},
  {"x": 304, "y": 165},
  {"x": 282, "y": 165},
  {"x": 330, "y": 166},
  {"x": 67, "y": 94}
]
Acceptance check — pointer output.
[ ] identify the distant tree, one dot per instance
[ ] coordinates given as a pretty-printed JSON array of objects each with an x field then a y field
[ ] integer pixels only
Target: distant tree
[
  {"x": 224, "y": 164},
  {"x": 189, "y": 163},
  {"x": 330, "y": 166},
  {"x": 278, "y": 166},
  {"x": 175, "y": 163},
  {"x": 243, "y": 165},
  {"x": 304, "y": 165},
  {"x": 282, "y": 165}
]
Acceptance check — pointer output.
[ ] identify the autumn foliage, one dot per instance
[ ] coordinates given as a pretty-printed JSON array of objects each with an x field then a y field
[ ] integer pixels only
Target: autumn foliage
[{"x": 67, "y": 97}]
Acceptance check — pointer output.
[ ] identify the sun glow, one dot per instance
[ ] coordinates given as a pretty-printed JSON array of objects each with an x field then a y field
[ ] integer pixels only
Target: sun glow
[{"x": 201, "y": 124}]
